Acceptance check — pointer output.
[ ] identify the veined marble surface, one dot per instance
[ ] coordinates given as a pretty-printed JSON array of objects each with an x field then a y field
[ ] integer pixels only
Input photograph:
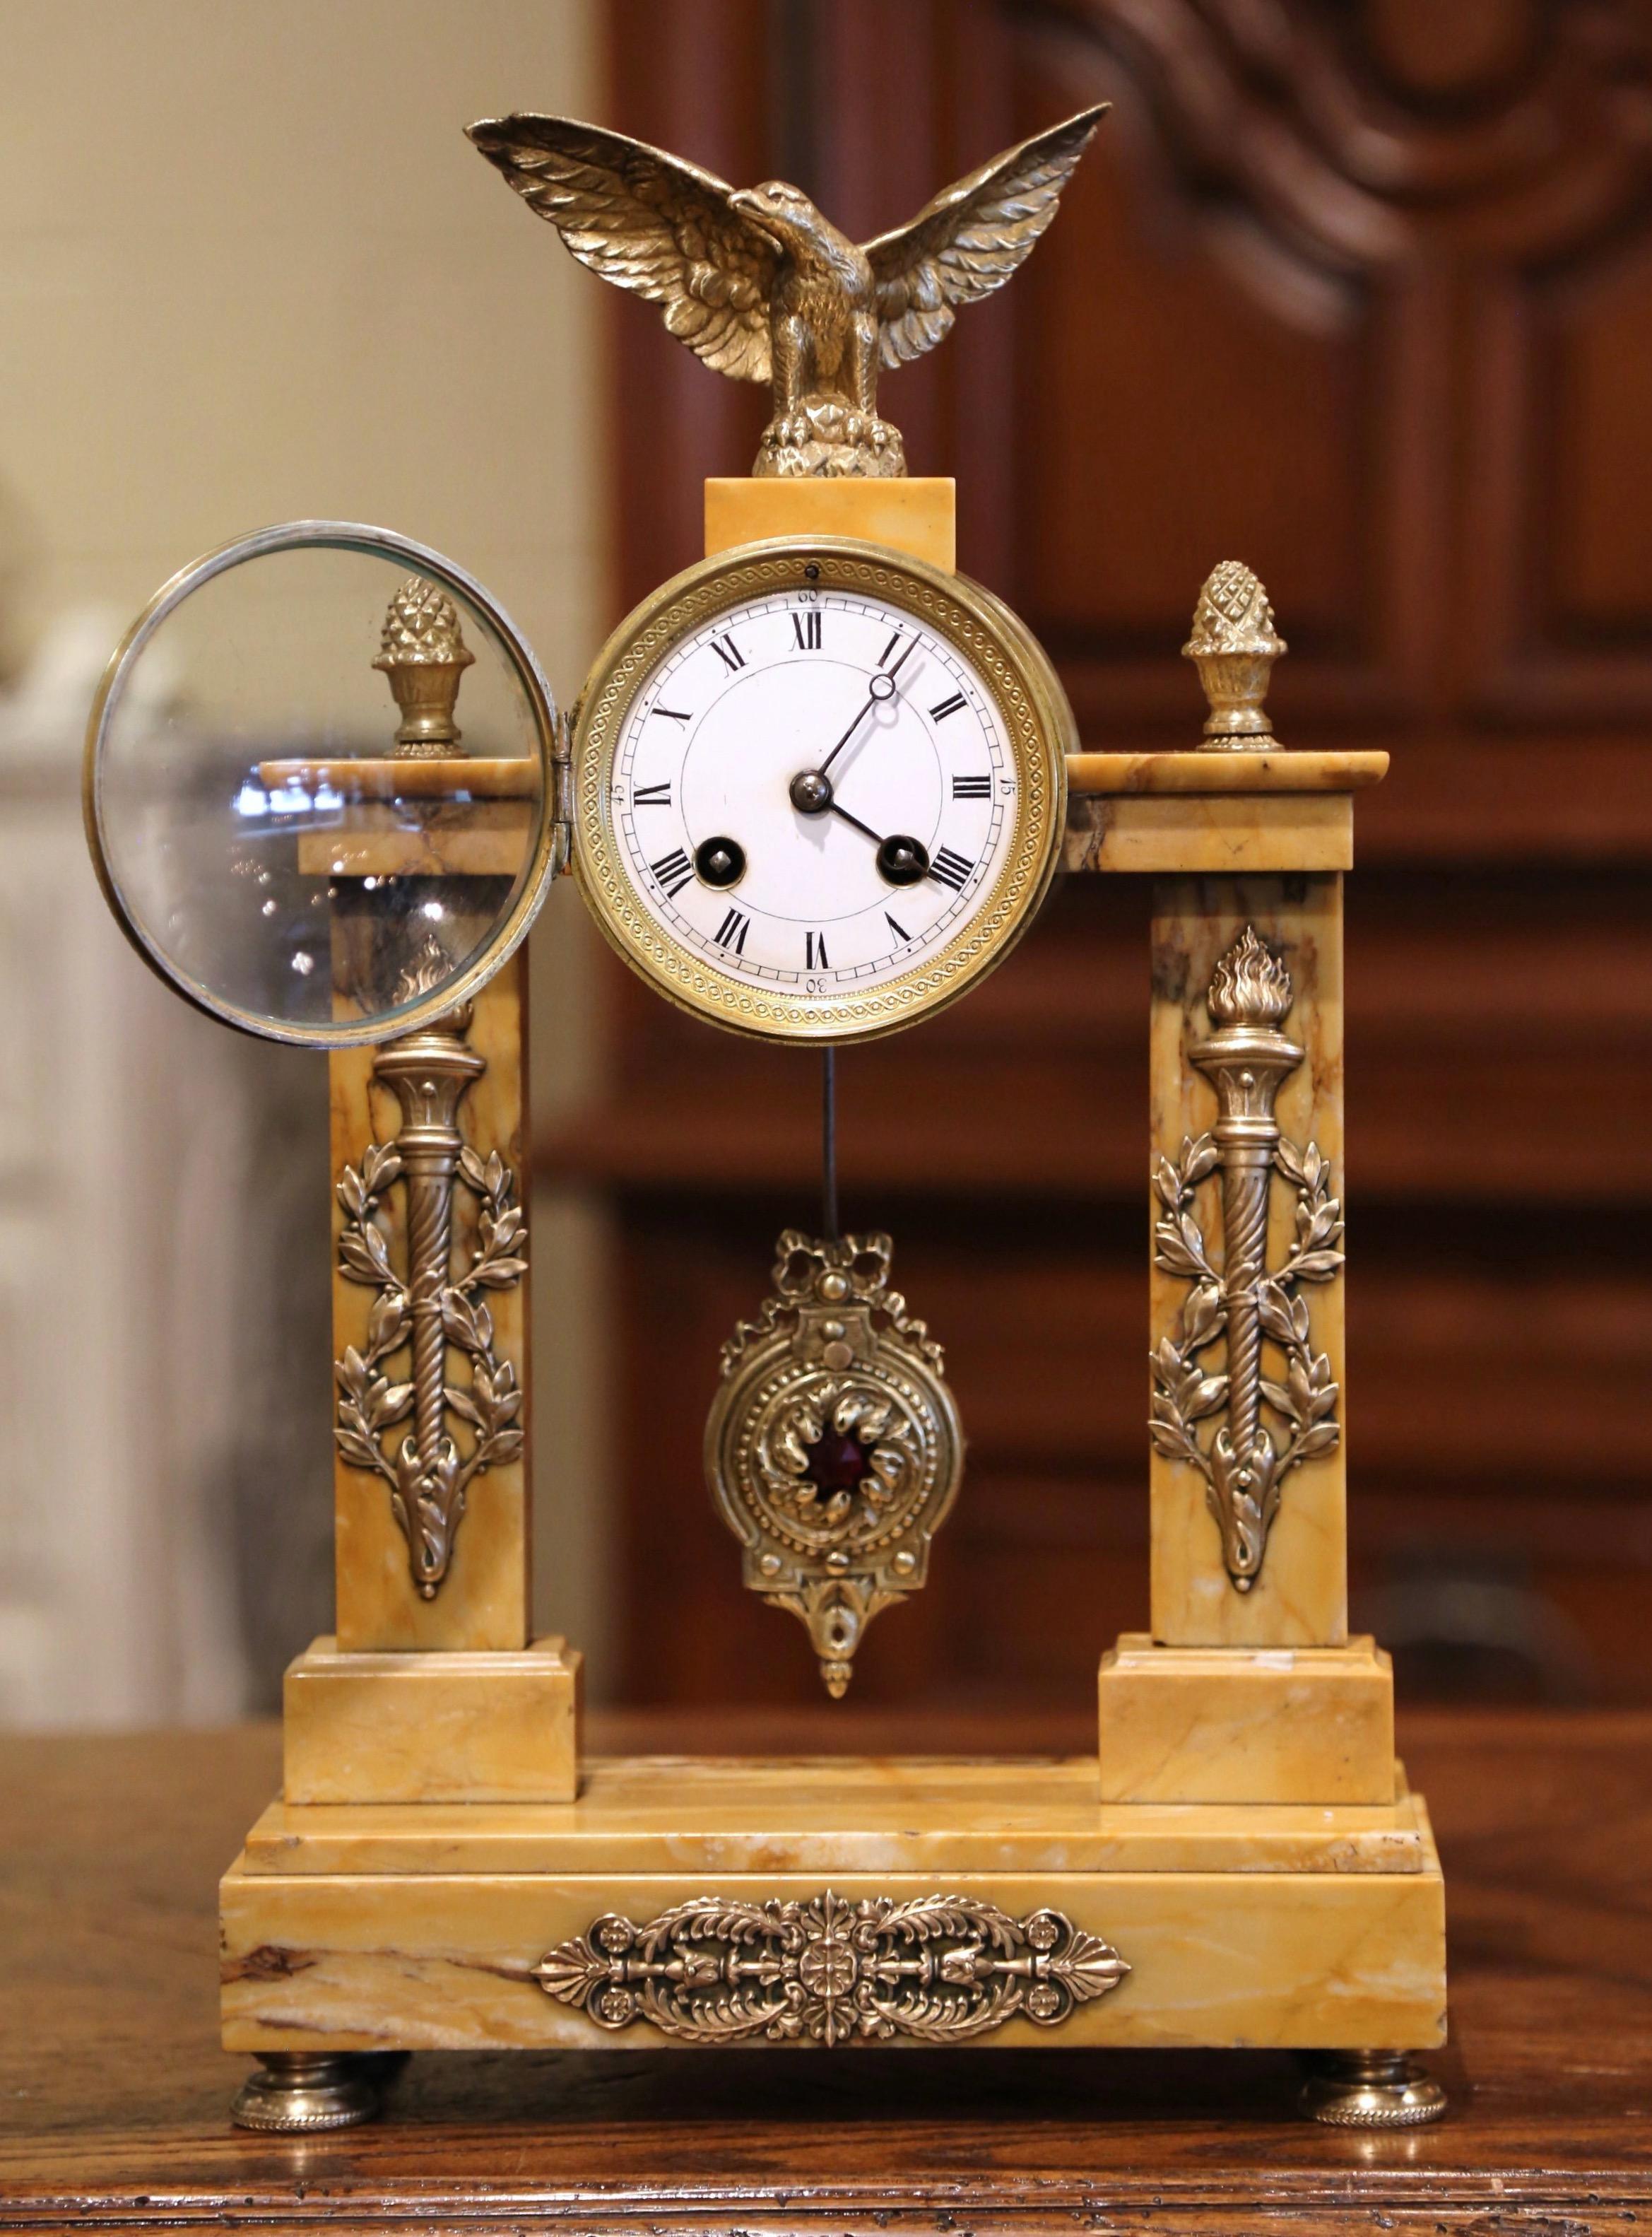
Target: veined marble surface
[
  {"x": 1218, "y": 832},
  {"x": 667, "y": 1813},
  {"x": 1222, "y": 1724},
  {"x": 1282, "y": 1959},
  {"x": 915, "y": 513},
  {"x": 1271, "y": 769},
  {"x": 409, "y": 1728},
  {"x": 1301, "y": 1597}
]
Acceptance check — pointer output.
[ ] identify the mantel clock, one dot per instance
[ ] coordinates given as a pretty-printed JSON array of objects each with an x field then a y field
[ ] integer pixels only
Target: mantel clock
[{"x": 813, "y": 790}]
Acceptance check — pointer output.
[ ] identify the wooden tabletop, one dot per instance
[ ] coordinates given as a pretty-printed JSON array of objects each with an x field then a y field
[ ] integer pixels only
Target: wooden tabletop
[{"x": 113, "y": 2095}]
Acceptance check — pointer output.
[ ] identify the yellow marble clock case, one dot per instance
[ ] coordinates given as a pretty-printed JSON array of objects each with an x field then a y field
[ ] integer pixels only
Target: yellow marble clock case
[{"x": 1241, "y": 1863}]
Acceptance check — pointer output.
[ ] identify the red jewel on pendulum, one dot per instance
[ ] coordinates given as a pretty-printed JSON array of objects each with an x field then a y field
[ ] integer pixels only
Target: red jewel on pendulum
[{"x": 837, "y": 1461}]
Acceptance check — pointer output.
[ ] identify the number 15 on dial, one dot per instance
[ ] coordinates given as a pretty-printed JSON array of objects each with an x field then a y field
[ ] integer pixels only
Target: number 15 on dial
[{"x": 820, "y": 787}]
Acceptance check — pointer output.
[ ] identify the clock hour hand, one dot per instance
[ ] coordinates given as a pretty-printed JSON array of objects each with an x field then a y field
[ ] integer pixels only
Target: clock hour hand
[
  {"x": 901, "y": 860},
  {"x": 838, "y": 810}
]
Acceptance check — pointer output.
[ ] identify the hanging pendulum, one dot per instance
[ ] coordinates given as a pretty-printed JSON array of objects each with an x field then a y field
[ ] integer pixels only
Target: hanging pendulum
[
  {"x": 829, "y": 1144},
  {"x": 832, "y": 1448}
]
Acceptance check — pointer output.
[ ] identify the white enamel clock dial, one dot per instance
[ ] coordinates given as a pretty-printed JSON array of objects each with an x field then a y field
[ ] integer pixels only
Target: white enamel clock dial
[{"x": 818, "y": 788}]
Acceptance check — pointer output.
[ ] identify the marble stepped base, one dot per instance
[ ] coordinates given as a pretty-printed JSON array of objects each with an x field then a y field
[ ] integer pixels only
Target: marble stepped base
[
  {"x": 377, "y": 1927},
  {"x": 1231, "y": 1724},
  {"x": 492, "y": 1727}
]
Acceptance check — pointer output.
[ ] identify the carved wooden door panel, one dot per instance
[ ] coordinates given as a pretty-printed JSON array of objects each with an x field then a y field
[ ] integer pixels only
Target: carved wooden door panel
[{"x": 1361, "y": 295}]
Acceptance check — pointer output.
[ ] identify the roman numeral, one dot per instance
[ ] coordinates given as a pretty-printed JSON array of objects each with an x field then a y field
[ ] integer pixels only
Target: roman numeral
[
  {"x": 814, "y": 952},
  {"x": 972, "y": 788},
  {"x": 947, "y": 707},
  {"x": 728, "y": 652},
  {"x": 652, "y": 795},
  {"x": 670, "y": 714},
  {"x": 900, "y": 930},
  {"x": 731, "y": 932},
  {"x": 673, "y": 871},
  {"x": 806, "y": 629},
  {"x": 882, "y": 658},
  {"x": 952, "y": 869}
]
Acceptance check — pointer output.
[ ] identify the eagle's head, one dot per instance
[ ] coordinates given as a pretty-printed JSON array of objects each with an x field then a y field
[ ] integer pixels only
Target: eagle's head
[{"x": 787, "y": 216}]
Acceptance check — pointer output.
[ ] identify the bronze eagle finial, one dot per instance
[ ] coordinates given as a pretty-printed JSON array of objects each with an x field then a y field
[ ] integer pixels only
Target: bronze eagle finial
[{"x": 761, "y": 286}]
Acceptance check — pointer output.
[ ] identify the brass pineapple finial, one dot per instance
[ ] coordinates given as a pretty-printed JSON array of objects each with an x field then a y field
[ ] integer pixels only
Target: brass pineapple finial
[
  {"x": 423, "y": 654},
  {"x": 1233, "y": 646}
]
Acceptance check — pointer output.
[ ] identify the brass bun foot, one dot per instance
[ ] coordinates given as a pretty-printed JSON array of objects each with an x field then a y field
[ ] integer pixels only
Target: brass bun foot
[
  {"x": 1370, "y": 2089},
  {"x": 299, "y": 2092}
]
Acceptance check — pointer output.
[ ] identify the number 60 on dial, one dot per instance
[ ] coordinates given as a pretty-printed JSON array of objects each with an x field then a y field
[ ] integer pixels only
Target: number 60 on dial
[{"x": 820, "y": 787}]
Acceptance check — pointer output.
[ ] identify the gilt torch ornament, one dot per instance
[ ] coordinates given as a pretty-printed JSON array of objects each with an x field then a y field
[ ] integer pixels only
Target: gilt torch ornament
[{"x": 1246, "y": 1059}]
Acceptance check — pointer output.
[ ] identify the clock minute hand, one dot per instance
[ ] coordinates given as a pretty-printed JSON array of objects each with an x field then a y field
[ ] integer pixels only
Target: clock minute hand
[
  {"x": 861, "y": 713},
  {"x": 889, "y": 687}
]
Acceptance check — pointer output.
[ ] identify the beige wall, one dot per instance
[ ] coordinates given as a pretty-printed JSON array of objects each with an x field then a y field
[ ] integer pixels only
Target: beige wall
[{"x": 250, "y": 269}]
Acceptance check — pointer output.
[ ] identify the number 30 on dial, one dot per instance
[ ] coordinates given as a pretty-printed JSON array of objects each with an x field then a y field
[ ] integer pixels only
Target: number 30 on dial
[{"x": 818, "y": 788}]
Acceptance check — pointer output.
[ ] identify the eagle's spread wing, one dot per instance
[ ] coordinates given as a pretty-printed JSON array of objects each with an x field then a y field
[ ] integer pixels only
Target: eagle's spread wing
[
  {"x": 649, "y": 223},
  {"x": 970, "y": 238}
]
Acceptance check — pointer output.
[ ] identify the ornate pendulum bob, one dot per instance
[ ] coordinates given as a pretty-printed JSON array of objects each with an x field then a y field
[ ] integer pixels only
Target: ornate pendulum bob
[{"x": 833, "y": 1449}]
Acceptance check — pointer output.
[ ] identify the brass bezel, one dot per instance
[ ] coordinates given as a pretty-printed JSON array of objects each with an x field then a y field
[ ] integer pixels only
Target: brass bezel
[
  {"x": 544, "y": 858},
  {"x": 1037, "y": 719}
]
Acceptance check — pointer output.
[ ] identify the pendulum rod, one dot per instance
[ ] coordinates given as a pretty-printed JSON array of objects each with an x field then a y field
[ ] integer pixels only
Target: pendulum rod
[{"x": 829, "y": 1144}]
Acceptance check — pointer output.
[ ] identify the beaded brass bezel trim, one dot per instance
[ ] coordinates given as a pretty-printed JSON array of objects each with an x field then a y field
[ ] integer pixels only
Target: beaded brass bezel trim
[{"x": 1031, "y": 706}]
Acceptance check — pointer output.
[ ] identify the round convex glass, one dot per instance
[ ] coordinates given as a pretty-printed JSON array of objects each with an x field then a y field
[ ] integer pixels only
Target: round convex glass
[{"x": 319, "y": 784}]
